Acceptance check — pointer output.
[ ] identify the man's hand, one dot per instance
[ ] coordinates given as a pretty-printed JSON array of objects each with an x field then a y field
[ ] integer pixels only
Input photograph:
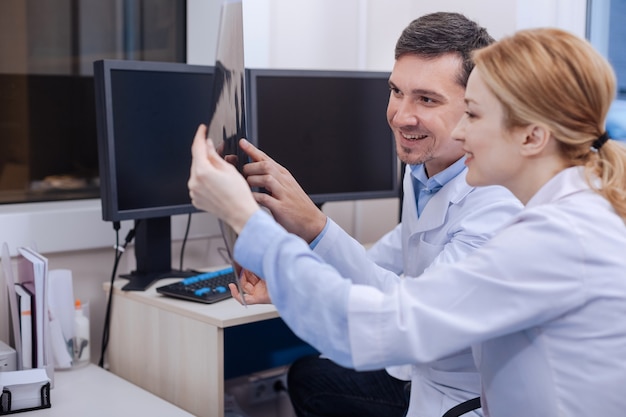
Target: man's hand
[
  {"x": 287, "y": 201},
  {"x": 255, "y": 289}
]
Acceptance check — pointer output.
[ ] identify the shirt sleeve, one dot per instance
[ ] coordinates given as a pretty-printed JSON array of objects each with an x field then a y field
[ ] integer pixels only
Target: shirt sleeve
[
  {"x": 294, "y": 272},
  {"x": 351, "y": 260},
  {"x": 387, "y": 251},
  {"x": 319, "y": 237},
  {"x": 451, "y": 307}
]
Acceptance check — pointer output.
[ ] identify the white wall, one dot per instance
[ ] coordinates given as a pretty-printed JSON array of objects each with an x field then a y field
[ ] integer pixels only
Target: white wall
[{"x": 315, "y": 34}]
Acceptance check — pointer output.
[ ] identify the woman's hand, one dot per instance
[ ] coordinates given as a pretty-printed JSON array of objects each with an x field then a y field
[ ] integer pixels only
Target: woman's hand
[
  {"x": 215, "y": 185},
  {"x": 254, "y": 288}
]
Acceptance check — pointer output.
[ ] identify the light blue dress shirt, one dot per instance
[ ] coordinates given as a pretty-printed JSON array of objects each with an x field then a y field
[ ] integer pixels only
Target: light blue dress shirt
[{"x": 425, "y": 187}]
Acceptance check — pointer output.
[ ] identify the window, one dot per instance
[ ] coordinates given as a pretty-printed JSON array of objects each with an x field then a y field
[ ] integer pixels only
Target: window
[
  {"x": 48, "y": 144},
  {"x": 606, "y": 31}
]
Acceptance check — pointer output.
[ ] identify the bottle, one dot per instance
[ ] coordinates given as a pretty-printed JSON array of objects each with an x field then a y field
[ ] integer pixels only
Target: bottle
[{"x": 81, "y": 335}]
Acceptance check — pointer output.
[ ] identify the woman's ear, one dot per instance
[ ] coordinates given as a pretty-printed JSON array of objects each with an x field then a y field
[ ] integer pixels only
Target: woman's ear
[{"x": 536, "y": 139}]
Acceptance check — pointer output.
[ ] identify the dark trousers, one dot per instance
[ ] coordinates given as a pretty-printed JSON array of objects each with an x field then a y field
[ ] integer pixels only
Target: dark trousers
[{"x": 320, "y": 388}]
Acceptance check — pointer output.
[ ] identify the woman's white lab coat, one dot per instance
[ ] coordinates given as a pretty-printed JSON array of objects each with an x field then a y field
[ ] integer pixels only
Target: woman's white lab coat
[
  {"x": 542, "y": 304},
  {"x": 457, "y": 219}
]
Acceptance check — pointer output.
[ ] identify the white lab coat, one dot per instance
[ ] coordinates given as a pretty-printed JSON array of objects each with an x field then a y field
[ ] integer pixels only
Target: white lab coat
[
  {"x": 456, "y": 220},
  {"x": 542, "y": 304}
]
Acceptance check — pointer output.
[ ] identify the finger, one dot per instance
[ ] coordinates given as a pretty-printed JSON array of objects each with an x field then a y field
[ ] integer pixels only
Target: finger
[
  {"x": 198, "y": 147},
  {"x": 248, "y": 276},
  {"x": 250, "y": 299},
  {"x": 253, "y": 278},
  {"x": 203, "y": 148},
  {"x": 253, "y": 152},
  {"x": 248, "y": 288},
  {"x": 214, "y": 158},
  {"x": 253, "y": 168},
  {"x": 231, "y": 159},
  {"x": 266, "y": 200},
  {"x": 266, "y": 181},
  {"x": 198, "y": 160},
  {"x": 235, "y": 293}
]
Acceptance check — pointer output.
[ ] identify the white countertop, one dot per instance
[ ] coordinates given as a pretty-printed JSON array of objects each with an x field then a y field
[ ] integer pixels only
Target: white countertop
[{"x": 94, "y": 392}]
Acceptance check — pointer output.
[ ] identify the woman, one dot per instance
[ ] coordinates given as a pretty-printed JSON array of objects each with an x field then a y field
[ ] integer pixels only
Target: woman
[{"x": 542, "y": 304}]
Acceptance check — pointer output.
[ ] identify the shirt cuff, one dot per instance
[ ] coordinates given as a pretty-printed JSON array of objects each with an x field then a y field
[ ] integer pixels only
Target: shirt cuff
[
  {"x": 319, "y": 237},
  {"x": 256, "y": 236}
]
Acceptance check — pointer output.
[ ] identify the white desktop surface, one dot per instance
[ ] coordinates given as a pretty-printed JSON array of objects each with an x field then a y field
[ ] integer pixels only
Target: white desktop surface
[
  {"x": 94, "y": 392},
  {"x": 225, "y": 313}
]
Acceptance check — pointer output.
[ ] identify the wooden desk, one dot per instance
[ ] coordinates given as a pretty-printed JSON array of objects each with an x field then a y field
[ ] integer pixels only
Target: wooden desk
[
  {"x": 92, "y": 391},
  {"x": 175, "y": 348}
]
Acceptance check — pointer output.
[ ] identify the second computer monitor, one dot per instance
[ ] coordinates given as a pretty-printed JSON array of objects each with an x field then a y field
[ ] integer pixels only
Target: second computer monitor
[{"x": 328, "y": 128}]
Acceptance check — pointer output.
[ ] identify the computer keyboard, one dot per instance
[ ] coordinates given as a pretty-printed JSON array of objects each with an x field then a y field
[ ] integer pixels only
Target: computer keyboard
[{"x": 208, "y": 287}]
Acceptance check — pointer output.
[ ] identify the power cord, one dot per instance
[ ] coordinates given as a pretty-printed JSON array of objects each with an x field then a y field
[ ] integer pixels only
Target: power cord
[
  {"x": 182, "y": 248},
  {"x": 119, "y": 251}
]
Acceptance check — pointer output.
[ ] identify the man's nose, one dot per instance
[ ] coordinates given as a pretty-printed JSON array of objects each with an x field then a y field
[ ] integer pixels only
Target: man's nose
[{"x": 405, "y": 114}]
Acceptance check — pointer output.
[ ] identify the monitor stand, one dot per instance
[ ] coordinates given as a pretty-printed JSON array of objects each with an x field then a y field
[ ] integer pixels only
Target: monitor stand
[{"x": 153, "y": 253}]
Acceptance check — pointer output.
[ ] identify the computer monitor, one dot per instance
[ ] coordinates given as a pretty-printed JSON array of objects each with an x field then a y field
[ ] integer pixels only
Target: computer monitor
[
  {"x": 328, "y": 128},
  {"x": 147, "y": 114}
]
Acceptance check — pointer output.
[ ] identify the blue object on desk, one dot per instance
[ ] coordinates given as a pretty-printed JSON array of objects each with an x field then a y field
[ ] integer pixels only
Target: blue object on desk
[{"x": 207, "y": 288}]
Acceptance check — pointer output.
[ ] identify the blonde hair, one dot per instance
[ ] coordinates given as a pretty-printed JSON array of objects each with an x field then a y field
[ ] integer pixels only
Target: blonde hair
[{"x": 559, "y": 80}]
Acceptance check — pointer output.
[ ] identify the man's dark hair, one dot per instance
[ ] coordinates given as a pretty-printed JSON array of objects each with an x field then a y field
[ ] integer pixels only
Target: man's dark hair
[{"x": 441, "y": 33}]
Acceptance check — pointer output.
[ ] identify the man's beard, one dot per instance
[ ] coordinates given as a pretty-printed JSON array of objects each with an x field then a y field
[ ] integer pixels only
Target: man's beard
[{"x": 411, "y": 156}]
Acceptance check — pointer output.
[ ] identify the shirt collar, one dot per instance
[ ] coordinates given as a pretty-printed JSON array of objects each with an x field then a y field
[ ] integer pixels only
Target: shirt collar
[
  {"x": 438, "y": 180},
  {"x": 568, "y": 181}
]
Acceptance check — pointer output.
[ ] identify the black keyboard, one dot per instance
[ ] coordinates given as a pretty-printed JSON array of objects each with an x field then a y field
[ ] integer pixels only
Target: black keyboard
[{"x": 208, "y": 287}]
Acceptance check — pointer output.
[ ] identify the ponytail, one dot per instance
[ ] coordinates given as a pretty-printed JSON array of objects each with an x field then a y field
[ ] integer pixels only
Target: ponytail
[{"x": 609, "y": 165}]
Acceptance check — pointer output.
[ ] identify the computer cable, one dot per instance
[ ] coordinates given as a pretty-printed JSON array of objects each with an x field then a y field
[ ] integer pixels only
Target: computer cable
[
  {"x": 119, "y": 251},
  {"x": 182, "y": 248}
]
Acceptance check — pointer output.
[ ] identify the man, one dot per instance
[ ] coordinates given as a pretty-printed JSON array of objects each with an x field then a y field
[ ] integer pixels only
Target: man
[{"x": 443, "y": 219}]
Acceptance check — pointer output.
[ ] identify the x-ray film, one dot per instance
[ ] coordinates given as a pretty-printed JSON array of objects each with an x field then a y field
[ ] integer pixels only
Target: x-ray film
[{"x": 227, "y": 124}]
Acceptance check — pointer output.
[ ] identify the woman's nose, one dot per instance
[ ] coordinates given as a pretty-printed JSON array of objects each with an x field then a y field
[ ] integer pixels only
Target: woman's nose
[{"x": 458, "y": 133}]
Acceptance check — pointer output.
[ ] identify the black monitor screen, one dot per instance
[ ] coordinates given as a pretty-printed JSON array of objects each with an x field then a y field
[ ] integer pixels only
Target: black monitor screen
[
  {"x": 147, "y": 114},
  {"x": 150, "y": 113},
  {"x": 328, "y": 128}
]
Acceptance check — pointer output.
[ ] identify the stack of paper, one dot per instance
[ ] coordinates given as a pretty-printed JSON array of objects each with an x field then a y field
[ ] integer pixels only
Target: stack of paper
[{"x": 24, "y": 388}]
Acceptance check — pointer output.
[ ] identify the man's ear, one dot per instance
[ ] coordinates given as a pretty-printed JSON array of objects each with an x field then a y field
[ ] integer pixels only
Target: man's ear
[{"x": 536, "y": 139}]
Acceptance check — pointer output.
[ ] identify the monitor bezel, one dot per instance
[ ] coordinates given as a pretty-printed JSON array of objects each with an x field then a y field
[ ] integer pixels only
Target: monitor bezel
[
  {"x": 106, "y": 137},
  {"x": 253, "y": 74}
]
